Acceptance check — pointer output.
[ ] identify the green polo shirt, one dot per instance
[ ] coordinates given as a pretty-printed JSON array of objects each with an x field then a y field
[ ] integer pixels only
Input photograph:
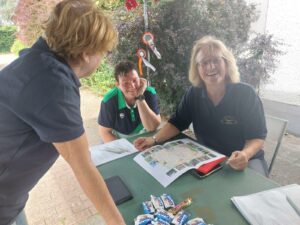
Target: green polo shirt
[{"x": 115, "y": 113}]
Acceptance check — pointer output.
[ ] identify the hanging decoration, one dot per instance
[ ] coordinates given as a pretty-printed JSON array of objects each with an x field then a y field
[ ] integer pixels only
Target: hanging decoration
[
  {"x": 148, "y": 39},
  {"x": 141, "y": 53},
  {"x": 131, "y": 4}
]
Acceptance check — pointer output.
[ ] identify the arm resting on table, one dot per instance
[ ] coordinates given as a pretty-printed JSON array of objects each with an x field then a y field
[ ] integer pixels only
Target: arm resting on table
[
  {"x": 239, "y": 159},
  {"x": 106, "y": 134},
  {"x": 168, "y": 131}
]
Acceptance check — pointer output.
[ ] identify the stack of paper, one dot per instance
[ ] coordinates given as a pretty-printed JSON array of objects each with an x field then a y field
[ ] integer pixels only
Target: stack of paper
[
  {"x": 293, "y": 197},
  {"x": 112, "y": 150},
  {"x": 268, "y": 207}
]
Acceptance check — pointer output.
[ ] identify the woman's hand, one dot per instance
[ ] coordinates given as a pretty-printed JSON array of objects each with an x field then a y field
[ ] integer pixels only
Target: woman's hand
[
  {"x": 238, "y": 160},
  {"x": 143, "y": 143}
]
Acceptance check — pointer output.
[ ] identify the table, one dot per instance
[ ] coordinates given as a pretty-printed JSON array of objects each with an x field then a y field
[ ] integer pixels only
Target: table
[{"x": 211, "y": 196}]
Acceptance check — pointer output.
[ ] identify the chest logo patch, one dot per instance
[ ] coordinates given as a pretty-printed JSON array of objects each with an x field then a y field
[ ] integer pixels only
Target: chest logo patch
[
  {"x": 229, "y": 120},
  {"x": 122, "y": 115}
]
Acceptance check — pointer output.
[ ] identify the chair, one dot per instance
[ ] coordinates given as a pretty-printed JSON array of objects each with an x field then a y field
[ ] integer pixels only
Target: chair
[{"x": 276, "y": 129}]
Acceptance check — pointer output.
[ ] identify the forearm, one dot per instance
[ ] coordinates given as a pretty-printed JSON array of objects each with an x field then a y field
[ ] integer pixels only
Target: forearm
[
  {"x": 95, "y": 188},
  {"x": 77, "y": 154},
  {"x": 252, "y": 147},
  {"x": 150, "y": 120},
  {"x": 168, "y": 131},
  {"x": 106, "y": 134}
]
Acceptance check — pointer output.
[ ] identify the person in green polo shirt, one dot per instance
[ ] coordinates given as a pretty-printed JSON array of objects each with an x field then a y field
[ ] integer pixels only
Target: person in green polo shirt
[{"x": 129, "y": 108}]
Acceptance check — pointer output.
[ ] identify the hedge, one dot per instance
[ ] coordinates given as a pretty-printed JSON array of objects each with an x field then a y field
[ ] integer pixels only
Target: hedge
[{"x": 7, "y": 37}]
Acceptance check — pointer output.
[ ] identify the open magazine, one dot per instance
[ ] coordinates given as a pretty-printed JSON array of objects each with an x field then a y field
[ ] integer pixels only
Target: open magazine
[{"x": 167, "y": 162}]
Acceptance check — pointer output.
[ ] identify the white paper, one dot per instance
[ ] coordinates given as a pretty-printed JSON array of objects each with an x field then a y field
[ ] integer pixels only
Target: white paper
[
  {"x": 267, "y": 208},
  {"x": 112, "y": 150},
  {"x": 167, "y": 162},
  {"x": 293, "y": 197}
]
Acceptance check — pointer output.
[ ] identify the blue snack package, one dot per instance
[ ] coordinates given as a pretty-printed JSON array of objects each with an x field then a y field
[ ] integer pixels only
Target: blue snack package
[
  {"x": 157, "y": 202},
  {"x": 181, "y": 218},
  {"x": 196, "y": 221},
  {"x": 164, "y": 215},
  {"x": 148, "y": 207},
  {"x": 168, "y": 201},
  {"x": 143, "y": 219},
  {"x": 159, "y": 222}
]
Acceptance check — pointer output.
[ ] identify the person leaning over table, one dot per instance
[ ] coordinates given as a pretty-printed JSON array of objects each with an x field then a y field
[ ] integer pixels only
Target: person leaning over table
[
  {"x": 40, "y": 108},
  {"x": 129, "y": 108},
  {"x": 227, "y": 115}
]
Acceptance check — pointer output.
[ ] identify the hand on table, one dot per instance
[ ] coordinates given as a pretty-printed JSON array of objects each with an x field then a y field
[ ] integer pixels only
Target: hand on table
[
  {"x": 143, "y": 143},
  {"x": 238, "y": 160}
]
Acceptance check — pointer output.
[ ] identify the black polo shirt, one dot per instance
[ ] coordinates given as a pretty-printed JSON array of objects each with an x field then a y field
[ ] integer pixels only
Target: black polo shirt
[
  {"x": 116, "y": 114},
  {"x": 39, "y": 105},
  {"x": 225, "y": 127}
]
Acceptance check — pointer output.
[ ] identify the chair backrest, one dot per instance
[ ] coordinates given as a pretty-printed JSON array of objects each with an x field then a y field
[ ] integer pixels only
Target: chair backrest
[{"x": 276, "y": 129}]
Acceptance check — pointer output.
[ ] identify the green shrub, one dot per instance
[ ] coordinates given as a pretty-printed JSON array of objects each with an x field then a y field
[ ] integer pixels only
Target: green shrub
[
  {"x": 17, "y": 46},
  {"x": 109, "y": 4},
  {"x": 102, "y": 80},
  {"x": 176, "y": 24},
  {"x": 7, "y": 37}
]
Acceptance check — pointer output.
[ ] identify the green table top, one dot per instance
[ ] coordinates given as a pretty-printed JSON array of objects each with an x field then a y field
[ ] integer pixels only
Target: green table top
[{"x": 211, "y": 196}]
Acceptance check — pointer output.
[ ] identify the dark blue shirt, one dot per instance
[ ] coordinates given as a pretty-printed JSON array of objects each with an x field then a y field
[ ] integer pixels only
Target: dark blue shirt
[
  {"x": 39, "y": 105},
  {"x": 116, "y": 114},
  {"x": 224, "y": 127}
]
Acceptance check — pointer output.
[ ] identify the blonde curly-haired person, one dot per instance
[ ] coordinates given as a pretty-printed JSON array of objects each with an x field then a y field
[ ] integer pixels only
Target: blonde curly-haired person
[{"x": 227, "y": 115}]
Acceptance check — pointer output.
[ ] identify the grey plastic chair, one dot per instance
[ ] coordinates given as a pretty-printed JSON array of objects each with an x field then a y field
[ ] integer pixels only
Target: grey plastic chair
[{"x": 276, "y": 129}]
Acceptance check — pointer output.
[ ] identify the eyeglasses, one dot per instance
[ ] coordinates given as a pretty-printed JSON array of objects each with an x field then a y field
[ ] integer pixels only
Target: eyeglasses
[{"x": 216, "y": 61}]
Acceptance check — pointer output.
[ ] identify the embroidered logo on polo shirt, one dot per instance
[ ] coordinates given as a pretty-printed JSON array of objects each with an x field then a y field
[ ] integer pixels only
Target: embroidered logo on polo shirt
[
  {"x": 229, "y": 120},
  {"x": 122, "y": 115}
]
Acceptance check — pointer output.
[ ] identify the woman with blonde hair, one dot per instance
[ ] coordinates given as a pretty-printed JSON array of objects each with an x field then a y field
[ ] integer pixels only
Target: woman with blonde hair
[
  {"x": 227, "y": 115},
  {"x": 40, "y": 108}
]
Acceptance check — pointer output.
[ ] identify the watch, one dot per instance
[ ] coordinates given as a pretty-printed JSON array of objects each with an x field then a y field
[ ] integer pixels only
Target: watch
[
  {"x": 155, "y": 140},
  {"x": 140, "y": 98}
]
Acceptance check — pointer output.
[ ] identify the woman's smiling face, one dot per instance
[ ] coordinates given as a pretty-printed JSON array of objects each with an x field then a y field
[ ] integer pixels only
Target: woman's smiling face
[{"x": 211, "y": 67}]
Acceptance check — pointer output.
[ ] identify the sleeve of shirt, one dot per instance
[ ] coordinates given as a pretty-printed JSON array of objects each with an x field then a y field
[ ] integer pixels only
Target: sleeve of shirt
[
  {"x": 182, "y": 117},
  {"x": 252, "y": 116},
  {"x": 54, "y": 113},
  {"x": 152, "y": 101},
  {"x": 106, "y": 113}
]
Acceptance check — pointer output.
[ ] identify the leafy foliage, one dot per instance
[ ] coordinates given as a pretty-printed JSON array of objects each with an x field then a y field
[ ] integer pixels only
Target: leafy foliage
[
  {"x": 102, "y": 80},
  {"x": 258, "y": 59},
  {"x": 176, "y": 24},
  {"x": 17, "y": 46},
  {"x": 7, "y": 36},
  {"x": 29, "y": 16},
  {"x": 109, "y": 4}
]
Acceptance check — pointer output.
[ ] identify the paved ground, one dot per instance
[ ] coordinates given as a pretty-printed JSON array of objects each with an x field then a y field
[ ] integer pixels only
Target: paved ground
[{"x": 6, "y": 59}]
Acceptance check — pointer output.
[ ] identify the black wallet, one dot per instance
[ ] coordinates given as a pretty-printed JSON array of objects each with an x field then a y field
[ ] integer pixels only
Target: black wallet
[{"x": 118, "y": 190}]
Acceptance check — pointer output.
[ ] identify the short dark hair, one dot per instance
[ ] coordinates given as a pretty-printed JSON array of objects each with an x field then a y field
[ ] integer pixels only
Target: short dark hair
[{"x": 123, "y": 68}]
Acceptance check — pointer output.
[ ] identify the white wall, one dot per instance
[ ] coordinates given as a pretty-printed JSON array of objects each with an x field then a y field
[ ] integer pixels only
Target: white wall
[
  {"x": 282, "y": 18},
  {"x": 262, "y": 6},
  {"x": 284, "y": 22}
]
